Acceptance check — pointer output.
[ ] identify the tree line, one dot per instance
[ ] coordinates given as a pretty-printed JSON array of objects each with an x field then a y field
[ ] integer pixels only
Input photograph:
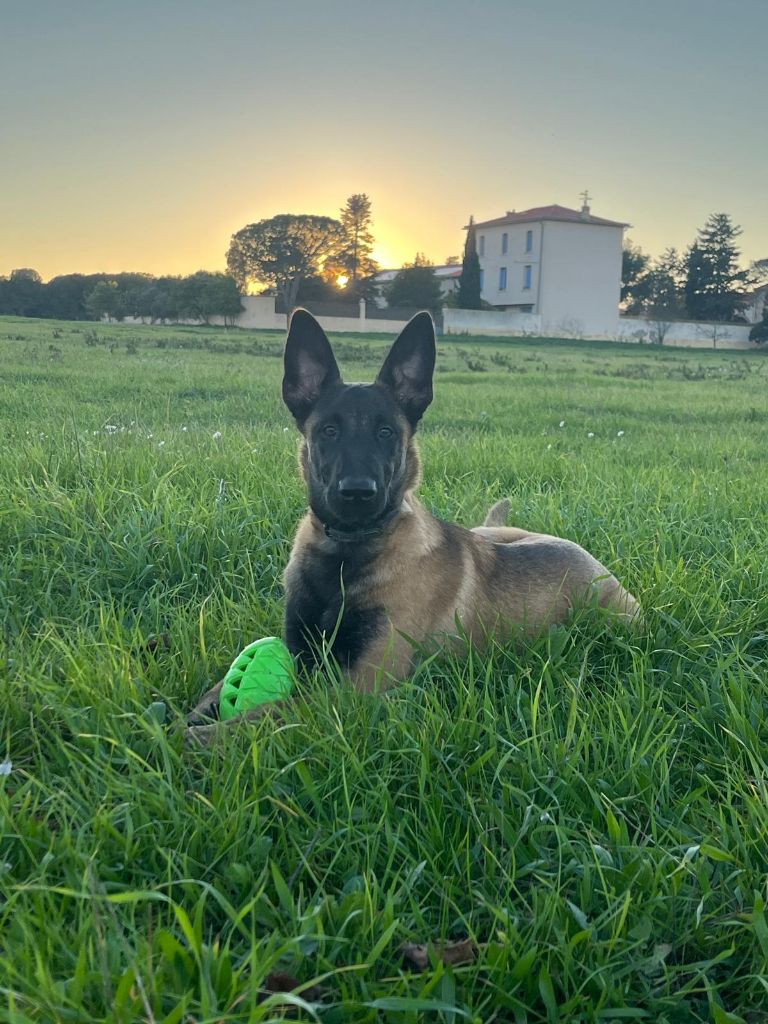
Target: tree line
[
  {"x": 706, "y": 282},
  {"x": 199, "y": 296}
]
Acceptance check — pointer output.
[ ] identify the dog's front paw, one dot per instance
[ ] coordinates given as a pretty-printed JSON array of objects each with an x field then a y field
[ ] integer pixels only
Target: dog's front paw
[
  {"x": 202, "y": 732},
  {"x": 206, "y": 710}
]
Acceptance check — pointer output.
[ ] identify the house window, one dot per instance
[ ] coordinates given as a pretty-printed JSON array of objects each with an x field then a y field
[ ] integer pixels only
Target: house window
[
  {"x": 502, "y": 279},
  {"x": 527, "y": 275},
  {"x": 529, "y": 241},
  {"x": 504, "y": 243},
  {"x": 482, "y": 245}
]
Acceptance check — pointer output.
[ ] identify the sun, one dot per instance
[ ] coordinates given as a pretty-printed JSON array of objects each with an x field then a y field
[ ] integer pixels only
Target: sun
[{"x": 342, "y": 280}]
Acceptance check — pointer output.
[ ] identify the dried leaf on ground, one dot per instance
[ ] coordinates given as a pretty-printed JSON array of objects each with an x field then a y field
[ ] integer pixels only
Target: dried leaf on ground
[
  {"x": 282, "y": 981},
  {"x": 416, "y": 955}
]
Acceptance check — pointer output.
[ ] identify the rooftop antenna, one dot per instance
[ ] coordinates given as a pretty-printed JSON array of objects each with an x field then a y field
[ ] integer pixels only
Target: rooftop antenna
[{"x": 585, "y": 197}]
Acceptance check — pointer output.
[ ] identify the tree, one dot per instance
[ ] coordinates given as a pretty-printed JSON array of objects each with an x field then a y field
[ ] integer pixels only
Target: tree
[
  {"x": 634, "y": 283},
  {"x": 354, "y": 259},
  {"x": 25, "y": 293},
  {"x": 713, "y": 280},
  {"x": 664, "y": 301},
  {"x": 105, "y": 300},
  {"x": 415, "y": 286},
  {"x": 757, "y": 274},
  {"x": 664, "y": 286},
  {"x": 282, "y": 251},
  {"x": 223, "y": 297},
  {"x": 759, "y": 332},
  {"x": 469, "y": 283},
  {"x": 204, "y": 294},
  {"x": 318, "y": 289},
  {"x": 65, "y": 296}
]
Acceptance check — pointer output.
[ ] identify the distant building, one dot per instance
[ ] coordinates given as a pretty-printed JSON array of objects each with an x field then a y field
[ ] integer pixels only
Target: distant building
[
  {"x": 754, "y": 304},
  {"x": 448, "y": 275},
  {"x": 562, "y": 265}
]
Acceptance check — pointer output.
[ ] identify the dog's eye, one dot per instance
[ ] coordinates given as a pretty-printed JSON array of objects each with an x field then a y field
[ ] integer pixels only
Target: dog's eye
[
  {"x": 329, "y": 430},
  {"x": 385, "y": 432}
]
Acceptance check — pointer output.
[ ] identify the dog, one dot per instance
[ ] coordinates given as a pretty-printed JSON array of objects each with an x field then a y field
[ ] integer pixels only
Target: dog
[{"x": 373, "y": 577}]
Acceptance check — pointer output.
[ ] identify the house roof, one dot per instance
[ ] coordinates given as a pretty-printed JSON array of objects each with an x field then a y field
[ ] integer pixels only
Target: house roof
[
  {"x": 444, "y": 272},
  {"x": 553, "y": 212}
]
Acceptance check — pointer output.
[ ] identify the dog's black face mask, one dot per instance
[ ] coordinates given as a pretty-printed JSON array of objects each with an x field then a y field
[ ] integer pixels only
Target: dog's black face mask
[{"x": 357, "y": 436}]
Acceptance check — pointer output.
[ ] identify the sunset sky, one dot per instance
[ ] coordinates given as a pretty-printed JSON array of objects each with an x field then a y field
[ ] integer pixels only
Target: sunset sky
[{"x": 140, "y": 135}]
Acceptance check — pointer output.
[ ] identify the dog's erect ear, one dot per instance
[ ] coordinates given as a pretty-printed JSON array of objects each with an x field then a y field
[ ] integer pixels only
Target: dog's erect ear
[
  {"x": 309, "y": 365},
  {"x": 409, "y": 366}
]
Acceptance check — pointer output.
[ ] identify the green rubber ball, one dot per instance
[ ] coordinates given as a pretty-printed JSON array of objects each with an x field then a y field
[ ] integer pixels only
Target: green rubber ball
[{"x": 261, "y": 673}]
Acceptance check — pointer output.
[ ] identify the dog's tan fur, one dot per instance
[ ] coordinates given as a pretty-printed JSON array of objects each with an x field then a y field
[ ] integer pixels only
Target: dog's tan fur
[{"x": 441, "y": 582}]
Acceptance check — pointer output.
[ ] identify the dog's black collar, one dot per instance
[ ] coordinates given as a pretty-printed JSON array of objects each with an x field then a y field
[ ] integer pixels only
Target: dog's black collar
[{"x": 354, "y": 536}]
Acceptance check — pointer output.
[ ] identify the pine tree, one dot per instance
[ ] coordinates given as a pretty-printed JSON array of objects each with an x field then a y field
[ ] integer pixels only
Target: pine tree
[
  {"x": 665, "y": 286},
  {"x": 469, "y": 283},
  {"x": 713, "y": 280},
  {"x": 354, "y": 259}
]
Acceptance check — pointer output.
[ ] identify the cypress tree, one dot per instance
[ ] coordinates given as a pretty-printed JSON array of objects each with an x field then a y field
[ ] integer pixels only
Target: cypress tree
[{"x": 469, "y": 283}]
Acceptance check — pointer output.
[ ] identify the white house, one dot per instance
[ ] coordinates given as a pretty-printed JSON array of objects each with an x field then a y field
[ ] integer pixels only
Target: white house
[
  {"x": 754, "y": 303},
  {"x": 448, "y": 277},
  {"x": 562, "y": 265}
]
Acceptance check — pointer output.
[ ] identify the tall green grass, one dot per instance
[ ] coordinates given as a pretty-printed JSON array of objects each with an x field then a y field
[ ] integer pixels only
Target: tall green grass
[{"x": 591, "y": 812}]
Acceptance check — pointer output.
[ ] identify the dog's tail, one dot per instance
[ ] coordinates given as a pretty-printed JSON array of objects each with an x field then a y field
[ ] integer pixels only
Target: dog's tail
[{"x": 498, "y": 513}]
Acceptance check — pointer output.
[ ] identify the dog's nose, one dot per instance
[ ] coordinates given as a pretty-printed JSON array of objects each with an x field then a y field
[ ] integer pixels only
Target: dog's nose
[{"x": 357, "y": 488}]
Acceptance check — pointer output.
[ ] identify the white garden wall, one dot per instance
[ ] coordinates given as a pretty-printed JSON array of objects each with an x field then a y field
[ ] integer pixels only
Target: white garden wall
[
  {"x": 490, "y": 323},
  {"x": 259, "y": 314}
]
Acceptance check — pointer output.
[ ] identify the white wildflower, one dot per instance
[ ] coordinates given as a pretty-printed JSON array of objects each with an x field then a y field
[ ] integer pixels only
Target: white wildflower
[
  {"x": 217, "y": 436},
  {"x": 6, "y": 767},
  {"x": 590, "y": 434},
  {"x": 562, "y": 423},
  {"x": 620, "y": 434},
  {"x": 184, "y": 430},
  {"x": 160, "y": 444},
  {"x": 110, "y": 428}
]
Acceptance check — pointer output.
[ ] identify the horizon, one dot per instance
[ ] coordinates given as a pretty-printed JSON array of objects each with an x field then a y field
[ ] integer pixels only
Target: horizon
[{"x": 143, "y": 138}]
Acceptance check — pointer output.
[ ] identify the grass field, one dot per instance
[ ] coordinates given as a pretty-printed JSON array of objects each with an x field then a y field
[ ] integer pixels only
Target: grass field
[{"x": 591, "y": 813}]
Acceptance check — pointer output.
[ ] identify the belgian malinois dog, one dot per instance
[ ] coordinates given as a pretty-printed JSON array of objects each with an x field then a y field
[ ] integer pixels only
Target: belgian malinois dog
[{"x": 371, "y": 570}]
